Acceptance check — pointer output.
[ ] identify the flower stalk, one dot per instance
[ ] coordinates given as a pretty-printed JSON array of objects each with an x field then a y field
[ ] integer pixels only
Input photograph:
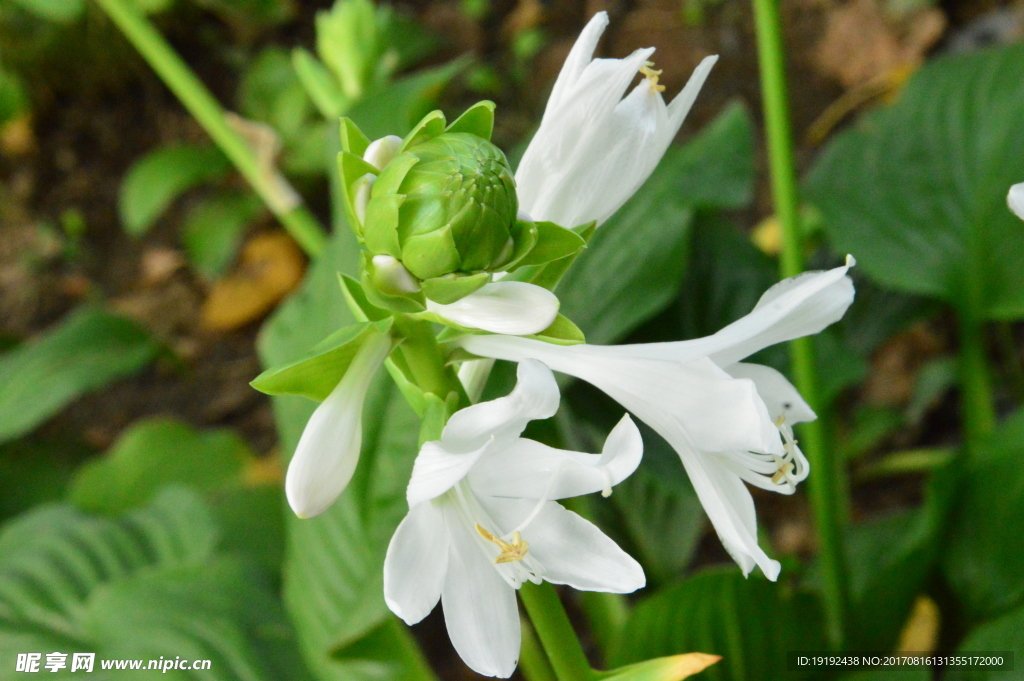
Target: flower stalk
[
  {"x": 825, "y": 489},
  {"x": 179, "y": 78},
  {"x": 555, "y": 632}
]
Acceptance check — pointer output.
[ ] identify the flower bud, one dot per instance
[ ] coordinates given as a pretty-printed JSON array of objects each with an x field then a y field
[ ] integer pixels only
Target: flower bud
[{"x": 445, "y": 205}]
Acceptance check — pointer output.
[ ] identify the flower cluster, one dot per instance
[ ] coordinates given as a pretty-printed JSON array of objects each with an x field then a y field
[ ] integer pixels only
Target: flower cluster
[{"x": 451, "y": 237}]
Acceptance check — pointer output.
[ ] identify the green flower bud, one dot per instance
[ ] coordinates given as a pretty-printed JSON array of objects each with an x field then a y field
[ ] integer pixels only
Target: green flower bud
[{"x": 445, "y": 205}]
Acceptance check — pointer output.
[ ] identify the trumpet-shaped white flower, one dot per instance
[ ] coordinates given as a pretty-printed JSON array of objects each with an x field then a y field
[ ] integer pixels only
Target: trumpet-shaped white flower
[
  {"x": 729, "y": 422},
  {"x": 1015, "y": 199},
  {"x": 328, "y": 450},
  {"x": 509, "y": 307},
  {"x": 594, "y": 147},
  {"x": 482, "y": 521}
]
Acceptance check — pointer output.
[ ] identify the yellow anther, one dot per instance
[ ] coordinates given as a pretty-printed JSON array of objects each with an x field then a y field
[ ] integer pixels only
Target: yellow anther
[
  {"x": 510, "y": 552},
  {"x": 783, "y": 471},
  {"x": 652, "y": 76}
]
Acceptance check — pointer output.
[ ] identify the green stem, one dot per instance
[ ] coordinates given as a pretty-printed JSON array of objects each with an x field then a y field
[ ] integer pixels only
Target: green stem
[
  {"x": 424, "y": 359},
  {"x": 533, "y": 663},
  {"x": 825, "y": 491},
  {"x": 606, "y": 613},
  {"x": 979, "y": 415},
  {"x": 555, "y": 632},
  {"x": 176, "y": 74}
]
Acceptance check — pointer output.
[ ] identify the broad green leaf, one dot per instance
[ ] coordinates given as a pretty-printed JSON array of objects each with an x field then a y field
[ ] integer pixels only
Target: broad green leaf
[
  {"x": 394, "y": 109},
  {"x": 751, "y": 623},
  {"x": 917, "y": 191},
  {"x": 54, "y": 10},
  {"x": 214, "y": 228},
  {"x": 553, "y": 242},
  {"x": 85, "y": 351},
  {"x": 161, "y": 176},
  {"x": 1005, "y": 634},
  {"x": 333, "y": 565},
  {"x": 889, "y": 561},
  {"x": 983, "y": 554},
  {"x": 633, "y": 266},
  {"x": 271, "y": 92},
  {"x": 155, "y": 453},
  {"x": 148, "y": 585}
]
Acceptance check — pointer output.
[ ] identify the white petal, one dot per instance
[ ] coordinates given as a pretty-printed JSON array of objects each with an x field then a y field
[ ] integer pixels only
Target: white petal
[
  {"x": 480, "y": 609},
  {"x": 436, "y": 470},
  {"x": 799, "y": 306},
  {"x": 534, "y": 397},
  {"x": 694, "y": 403},
  {"x": 569, "y": 549},
  {"x": 511, "y": 307},
  {"x": 794, "y": 307},
  {"x": 731, "y": 510},
  {"x": 681, "y": 105},
  {"x": 416, "y": 563},
  {"x": 473, "y": 375},
  {"x": 531, "y": 470},
  {"x": 580, "y": 55},
  {"x": 328, "y": 450},
  {"x": 1015, "y": 199},
  {"x": 778, "y": 393}
]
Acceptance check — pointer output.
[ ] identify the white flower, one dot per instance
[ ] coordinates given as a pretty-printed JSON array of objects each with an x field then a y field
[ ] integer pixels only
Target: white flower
[
  {"x": 1015, "y": 199},
  {"x": 595, "y": 148},
  {"x": 482, "y": 521},
  {"x": 728, "y": 421},
  {"x": 328, "y": 450},
  {"x": 509, "y": 307}
]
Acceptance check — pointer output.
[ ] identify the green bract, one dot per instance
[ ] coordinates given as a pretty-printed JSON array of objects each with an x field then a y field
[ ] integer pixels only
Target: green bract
[{"x": 439, "y": 215}]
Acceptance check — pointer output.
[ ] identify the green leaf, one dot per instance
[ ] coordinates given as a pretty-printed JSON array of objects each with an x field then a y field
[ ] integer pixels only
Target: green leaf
[
  {"x": 85, "y": 351},
  {"x": 917, "y": 191},
  {"x": 14, "y": 100},
  {"x": 64, "y": 11},
  {"x": 561, "y": 332},
  {"x": 161, "y": 176},
  {"x": 320, "y": 85},
  {"x": 154, "y": 453},
  {"x": 148, "y": 585},
  {"x": 332, "y": 575},
  {"x": 1005, "y": 634},
  {"x": 394, "y": 109},
  {"x": 214, "y": 227},
  {"x": 889, "y": 561},
  {"x": 317, "y": 373},
  {"x": 453, "y": 287},
  {"x": 553, "y": 242},
  {"x": 983, "y": 551},
  {"x": 633, "y": 266},
  {"x": 751, "y": 623}
]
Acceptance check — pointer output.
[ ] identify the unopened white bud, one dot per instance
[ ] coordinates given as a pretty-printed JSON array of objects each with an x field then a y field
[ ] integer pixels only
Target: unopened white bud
[
  {"x": 380, "y": 152},
  {"x": 390, "y": 274},
  {"x": 361, "y": 195}
]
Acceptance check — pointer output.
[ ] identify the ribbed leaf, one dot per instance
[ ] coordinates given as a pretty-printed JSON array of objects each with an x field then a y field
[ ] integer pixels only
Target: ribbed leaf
[
  {"x": 83, "y": 352},
  {"x": 917, "y": 191},
  {"x": 751, "y": 623}
]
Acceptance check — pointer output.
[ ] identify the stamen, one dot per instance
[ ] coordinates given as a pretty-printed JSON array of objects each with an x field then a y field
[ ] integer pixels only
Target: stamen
[
  {"x": 510, "y": 552},
  {"x": 783, "y": 472},
  {"x": 652, "y": 76}
]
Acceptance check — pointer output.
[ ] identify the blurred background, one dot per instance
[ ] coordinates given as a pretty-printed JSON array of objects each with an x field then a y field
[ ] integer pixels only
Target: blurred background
[{"x": 143, "y": 282}]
